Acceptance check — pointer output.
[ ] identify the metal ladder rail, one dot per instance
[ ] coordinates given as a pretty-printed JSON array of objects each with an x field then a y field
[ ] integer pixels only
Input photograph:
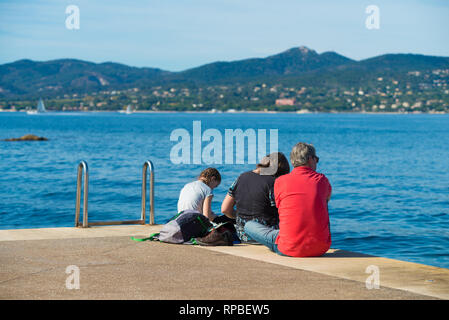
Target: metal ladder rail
[
  {"x": 147, "y": 165},
  {"x": 83, "y": 167}
]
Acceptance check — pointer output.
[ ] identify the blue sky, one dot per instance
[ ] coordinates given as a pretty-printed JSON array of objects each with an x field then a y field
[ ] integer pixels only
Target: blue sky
[{"x": 179, "y": 34}]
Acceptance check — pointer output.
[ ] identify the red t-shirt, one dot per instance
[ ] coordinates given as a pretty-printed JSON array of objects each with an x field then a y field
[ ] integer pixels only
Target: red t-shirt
[{"x": 301, "y": 197}]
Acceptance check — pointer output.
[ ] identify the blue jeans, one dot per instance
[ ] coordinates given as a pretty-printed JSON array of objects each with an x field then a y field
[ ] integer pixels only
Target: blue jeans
[{"x": 265, "y": 235}]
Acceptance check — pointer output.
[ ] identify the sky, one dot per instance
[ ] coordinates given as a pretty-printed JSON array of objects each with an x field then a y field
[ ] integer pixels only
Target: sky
[{"x": 176, "y": 35}]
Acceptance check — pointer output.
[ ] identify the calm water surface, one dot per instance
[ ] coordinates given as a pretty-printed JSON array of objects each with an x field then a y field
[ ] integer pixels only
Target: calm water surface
[{"x": 389, "y": 173}]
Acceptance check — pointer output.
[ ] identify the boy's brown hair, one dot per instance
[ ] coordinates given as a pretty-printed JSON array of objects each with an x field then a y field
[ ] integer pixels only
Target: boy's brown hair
[{"x": 207, "y": 174}]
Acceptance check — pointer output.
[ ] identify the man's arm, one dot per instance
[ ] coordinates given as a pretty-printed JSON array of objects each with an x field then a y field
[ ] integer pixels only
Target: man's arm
[{"x": 227, "y": 207}]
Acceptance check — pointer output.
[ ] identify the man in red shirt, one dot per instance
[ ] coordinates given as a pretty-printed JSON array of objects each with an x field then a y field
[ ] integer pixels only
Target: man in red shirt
[{"x": 301, "y": 198}]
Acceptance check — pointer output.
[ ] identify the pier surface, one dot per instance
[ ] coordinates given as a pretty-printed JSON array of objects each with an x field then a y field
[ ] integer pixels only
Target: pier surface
[{"x": 33, "y": 265}]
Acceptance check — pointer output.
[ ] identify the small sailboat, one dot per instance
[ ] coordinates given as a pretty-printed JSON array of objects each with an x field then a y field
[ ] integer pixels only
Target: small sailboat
[
  {"x": 129, "y": 110},
  {"x": 40, "y": 108}
]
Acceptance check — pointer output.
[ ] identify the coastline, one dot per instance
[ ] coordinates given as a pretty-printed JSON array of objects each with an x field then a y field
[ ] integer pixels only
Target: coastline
[{"x": 229, "y": 112}]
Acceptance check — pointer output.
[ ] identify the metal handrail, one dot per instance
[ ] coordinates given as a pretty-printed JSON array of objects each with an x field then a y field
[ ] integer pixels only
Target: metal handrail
[
  {"x": 83, "y": 165},
  {"x": 146, "y": 165}
]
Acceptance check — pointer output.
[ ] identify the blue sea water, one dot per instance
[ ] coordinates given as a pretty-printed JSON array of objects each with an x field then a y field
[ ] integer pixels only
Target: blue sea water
[{"x": 389, "y": 173}]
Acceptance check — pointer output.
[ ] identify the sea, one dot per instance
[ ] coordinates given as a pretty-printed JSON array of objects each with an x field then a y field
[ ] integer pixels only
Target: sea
[{"x": 389, "y": 172}]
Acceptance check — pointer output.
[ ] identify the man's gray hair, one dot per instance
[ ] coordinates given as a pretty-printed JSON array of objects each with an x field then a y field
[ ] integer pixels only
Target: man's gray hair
[{"x": 301, "y": 154}]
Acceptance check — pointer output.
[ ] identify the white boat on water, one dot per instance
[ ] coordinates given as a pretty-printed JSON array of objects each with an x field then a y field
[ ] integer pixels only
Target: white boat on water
[
  {"x": 40, "y": 108},
  {"x": 129, "y": 110}
]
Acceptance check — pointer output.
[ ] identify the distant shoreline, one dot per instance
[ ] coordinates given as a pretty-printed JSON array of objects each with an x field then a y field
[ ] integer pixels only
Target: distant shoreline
[{"x": 228, "y": 112}]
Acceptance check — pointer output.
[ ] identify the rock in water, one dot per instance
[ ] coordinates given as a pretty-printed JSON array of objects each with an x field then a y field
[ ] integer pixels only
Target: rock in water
[{"x": 28, "y": 137}]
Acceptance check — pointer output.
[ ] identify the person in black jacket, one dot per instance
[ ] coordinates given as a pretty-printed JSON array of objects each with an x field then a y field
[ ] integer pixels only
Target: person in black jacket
[{"x": 251, "y": 196}]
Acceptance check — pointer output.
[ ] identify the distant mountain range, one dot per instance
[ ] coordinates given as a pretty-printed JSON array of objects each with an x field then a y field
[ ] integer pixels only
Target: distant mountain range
[{"x": 30, "y": 79}]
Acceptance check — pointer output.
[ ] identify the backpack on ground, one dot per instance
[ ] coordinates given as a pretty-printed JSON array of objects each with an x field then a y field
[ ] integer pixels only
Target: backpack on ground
[
  {"x": 192, "y": 227},
  {"x": 183, "y": 227}
]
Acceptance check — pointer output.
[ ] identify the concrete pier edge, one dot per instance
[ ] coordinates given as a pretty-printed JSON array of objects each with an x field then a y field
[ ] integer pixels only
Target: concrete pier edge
[{"x": 407, "y": 276}]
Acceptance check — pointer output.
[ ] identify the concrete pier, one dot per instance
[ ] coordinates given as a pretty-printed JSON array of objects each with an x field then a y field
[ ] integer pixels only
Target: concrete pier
[{"x": 33, "y": 264}]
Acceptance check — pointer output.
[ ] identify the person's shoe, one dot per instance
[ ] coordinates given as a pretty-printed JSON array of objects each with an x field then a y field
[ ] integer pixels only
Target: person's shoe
[{"x": 216, "y": 238}]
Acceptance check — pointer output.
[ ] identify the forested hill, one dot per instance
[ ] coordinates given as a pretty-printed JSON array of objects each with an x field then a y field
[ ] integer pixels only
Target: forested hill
[{"x": 296, "y": 68}]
